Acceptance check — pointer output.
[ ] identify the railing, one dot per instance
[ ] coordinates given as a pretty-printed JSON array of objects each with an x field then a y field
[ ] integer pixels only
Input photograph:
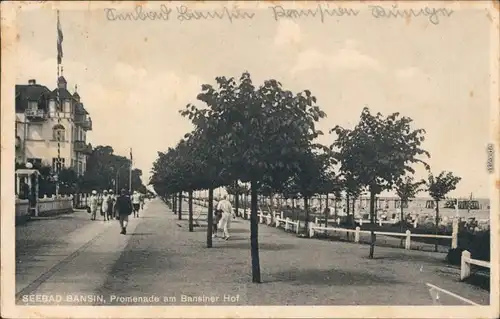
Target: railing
[
  {"x": 467, "y": 261},
  {"x": 35, "y": 113},
  {"x": 84, "y": 121},
  {"x": 81, "y": 147},
  {"x": 46, "y": 206},
  {"x": 49, "y": 205}
]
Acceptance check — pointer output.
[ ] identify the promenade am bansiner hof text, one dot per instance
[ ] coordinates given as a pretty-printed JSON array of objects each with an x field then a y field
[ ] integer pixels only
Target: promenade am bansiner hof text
[{"x": 321, "y": 12}]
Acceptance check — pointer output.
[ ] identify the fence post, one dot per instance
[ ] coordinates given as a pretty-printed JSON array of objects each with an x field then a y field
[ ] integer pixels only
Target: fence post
[
  {"x": 454, "y": 234},
  {"x": 281, "y": 215},
  {"x": 269, "y": 219},
  {"x": 260, "y": 217},
  {"x": 465, "y": 266},
  {"x": 277, "y": 221},
  {"x": 311, "y": 230},
  {"x": 298, "y": 226},
  {"x": 380, "y": 222},
  {"x": 361, "y": 222},
  {"x": 356, "y": 235},
  {"x": 415, "y": 223},
  {"x": 286, "y": 223},
  {"x": 408, "y": 240},
  {"x": 316, "y": 220},
  {"x": 338, "y": 220}
]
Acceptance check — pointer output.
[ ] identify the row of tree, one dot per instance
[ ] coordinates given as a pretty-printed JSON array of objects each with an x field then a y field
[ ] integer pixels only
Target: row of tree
[
  {"x": 266, "y": 137},
  {"x": 104, "y": 170}
]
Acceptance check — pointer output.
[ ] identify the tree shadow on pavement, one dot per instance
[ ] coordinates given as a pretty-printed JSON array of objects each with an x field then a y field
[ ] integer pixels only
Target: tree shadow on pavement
[
  {"x": 331, "y": 277},
  {"x": 262, "y": 246},
  {"x": 140, "y": 234},
  {"x": 437, "y": 260}
]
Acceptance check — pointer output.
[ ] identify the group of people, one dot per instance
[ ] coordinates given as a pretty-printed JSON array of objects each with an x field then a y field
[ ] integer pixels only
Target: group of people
[
  {"x": 223, "y": 215},
  {"x": 118, "y": 207}
]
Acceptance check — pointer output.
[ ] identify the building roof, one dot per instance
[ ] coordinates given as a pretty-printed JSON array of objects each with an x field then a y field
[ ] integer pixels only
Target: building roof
[
  {"x": 80, "y": 109},
  {"x": 63, "y": 94},
  {"x": 34, "y": 92}
]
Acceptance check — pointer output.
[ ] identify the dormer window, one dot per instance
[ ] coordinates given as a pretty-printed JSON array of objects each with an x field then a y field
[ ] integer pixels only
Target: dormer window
[
  {"x": 33, "y": 105},
  {"x": 58, "y": 132}
]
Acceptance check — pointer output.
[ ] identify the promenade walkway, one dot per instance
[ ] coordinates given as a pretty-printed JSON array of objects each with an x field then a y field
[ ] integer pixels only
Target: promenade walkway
[{"x": 160, "y": 257}]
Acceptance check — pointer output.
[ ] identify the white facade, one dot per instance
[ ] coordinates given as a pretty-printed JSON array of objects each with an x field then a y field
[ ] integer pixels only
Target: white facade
[{"x": 37, "y": 136}]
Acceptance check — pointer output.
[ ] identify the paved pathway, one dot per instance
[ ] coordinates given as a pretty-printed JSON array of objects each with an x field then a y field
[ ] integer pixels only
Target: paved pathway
[{"x": 161, "y": 260}]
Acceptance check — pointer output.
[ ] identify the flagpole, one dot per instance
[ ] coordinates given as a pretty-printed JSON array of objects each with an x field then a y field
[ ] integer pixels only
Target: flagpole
[
  {"x": 130, "y": 174},
  {"x": 59, "y": 105}
]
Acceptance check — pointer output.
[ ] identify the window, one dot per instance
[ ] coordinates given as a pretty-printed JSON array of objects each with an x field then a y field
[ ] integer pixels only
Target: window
[
  {"x": 55, "y": 167},
  {"x": 58, "y": 132},
  {"x": 35, "y": 132},
  {"x": 33, "y": 105}
]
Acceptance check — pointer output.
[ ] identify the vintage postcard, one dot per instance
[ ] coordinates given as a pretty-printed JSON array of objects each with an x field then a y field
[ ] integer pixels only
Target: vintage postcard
[{"x": 260, "y": 159}]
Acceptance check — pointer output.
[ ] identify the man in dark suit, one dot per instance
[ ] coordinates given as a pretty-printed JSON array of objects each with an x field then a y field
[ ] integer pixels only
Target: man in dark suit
[{"x": 124, "y": 209}]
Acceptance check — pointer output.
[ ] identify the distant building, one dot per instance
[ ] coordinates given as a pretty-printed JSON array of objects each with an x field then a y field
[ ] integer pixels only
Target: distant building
[{"x": 37, "y": 127}]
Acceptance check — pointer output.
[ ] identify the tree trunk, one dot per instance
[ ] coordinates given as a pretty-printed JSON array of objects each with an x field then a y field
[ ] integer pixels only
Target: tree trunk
[
  {"x": 326, "y": 212},
  {"x": 245, "y": 203},
  {"x": 210, "y": 217},
  {"x": 372, "y": 222},
  {"x": 402, "y": 221},
  {"x": 180, "y": 205},
  {"x": 437, "y": 226},
  {"x": 190, "y": 204},
  {"x": 306, "y": 211},
  {"x": 348, "y": 206},
  {"x": 237, "y": 204},
  {"x": 254, "y": 233},
  {"x": 353, "y": 223},
  {"x": 335, "y": 209},
  {"x": 174, "y": 204}
]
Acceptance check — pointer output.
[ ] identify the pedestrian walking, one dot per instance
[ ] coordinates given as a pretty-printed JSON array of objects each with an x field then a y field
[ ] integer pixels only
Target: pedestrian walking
[
  {"x": 227, "y": 210},
  {"x": 136, "y": 203},
  {"x": 110, "y": 203},
  {"x": 104, "y": 205},
  {"x": 216, "y": 220},
  {"x": 93, "y": 204},
  {"x": 142, "y": 201},
  {"x": 124, "y": 209},
  {"x": 112, "y": 208},
  {"x": 100, "y": 200}
]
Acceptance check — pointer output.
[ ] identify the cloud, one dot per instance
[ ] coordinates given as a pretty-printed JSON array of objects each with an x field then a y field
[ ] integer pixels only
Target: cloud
[
  {"x": 346, "y": 58},
  {"x": 287, "y": 33}
]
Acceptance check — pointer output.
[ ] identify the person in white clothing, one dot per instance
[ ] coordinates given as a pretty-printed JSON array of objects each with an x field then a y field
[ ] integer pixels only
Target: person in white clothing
[
  {"x": 227, "y": 210},
  {"x": 93, "y": 204},
  {"x": 104, "y": 205},
  {"x": 136, "y": 203}
]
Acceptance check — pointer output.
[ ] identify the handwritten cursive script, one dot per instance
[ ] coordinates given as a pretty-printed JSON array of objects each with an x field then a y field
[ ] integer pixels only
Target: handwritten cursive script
[
  {"x": 279, "y": 12},
  {"x": 395, "y": 12},
  {"x": 139, "y": 14},
  {"x": 186, "y": 14}
]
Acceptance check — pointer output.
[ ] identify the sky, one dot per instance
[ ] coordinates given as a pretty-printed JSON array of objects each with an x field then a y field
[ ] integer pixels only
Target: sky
[{"x": 134, "y": 76}]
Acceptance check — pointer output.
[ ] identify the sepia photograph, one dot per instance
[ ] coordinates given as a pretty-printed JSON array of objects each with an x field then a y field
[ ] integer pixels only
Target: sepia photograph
[{"x": 239, "y": 159}]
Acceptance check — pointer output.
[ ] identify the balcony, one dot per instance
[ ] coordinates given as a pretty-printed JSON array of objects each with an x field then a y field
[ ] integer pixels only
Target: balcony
[
  {"x": 84, "y": 122},
  {"x": 81, "y": 147},
  {"x": 35, "y": 114}
]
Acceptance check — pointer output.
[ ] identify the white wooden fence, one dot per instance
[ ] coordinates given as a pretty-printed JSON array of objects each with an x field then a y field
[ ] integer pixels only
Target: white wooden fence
[
  {"x": 467, "y": 261},
  {"x": 290, "y": 225},
  {"x": 45, "y": 206}
]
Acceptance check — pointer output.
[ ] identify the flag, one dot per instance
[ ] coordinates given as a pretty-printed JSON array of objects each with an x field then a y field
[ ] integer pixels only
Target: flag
[{"x": 59, "y": 40}]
